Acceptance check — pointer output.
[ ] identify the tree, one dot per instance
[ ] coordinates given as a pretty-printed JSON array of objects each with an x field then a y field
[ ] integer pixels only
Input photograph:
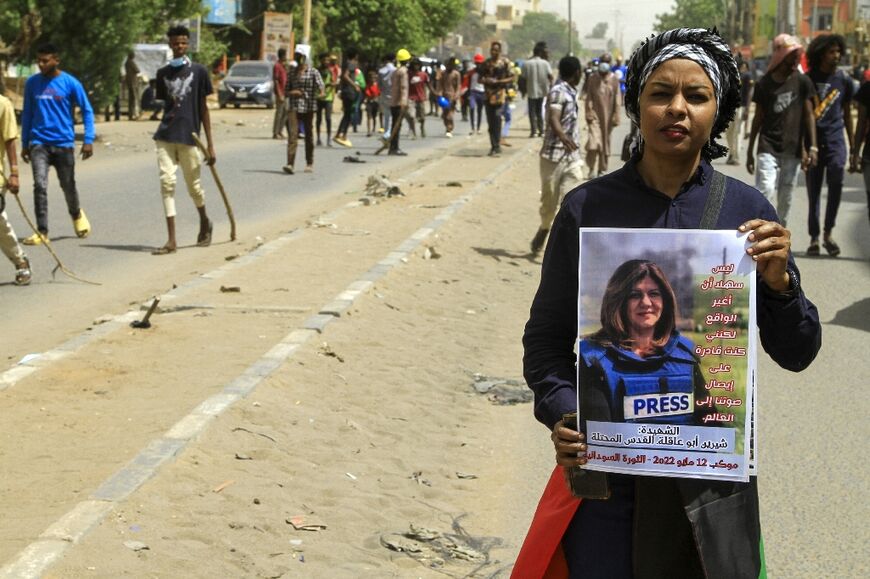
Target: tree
[
  {"x": 599, "y": 30},
  {"x": 94, "y": 36},
  {"x": 379, "y": 26},
  {"x": 691, "y": 14},
  {"x": 472, "y": 29},
  {"x": 539, "y": 26}
]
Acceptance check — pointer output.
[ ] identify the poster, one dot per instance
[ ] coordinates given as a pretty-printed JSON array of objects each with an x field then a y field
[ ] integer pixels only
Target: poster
[
  {"x": 667, "y": 352},
  {"x": 277, "y": 33}
]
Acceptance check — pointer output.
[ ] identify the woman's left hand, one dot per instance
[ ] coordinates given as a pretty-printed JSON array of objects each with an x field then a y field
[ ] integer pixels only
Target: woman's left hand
[{"x": 771, "y": 243}]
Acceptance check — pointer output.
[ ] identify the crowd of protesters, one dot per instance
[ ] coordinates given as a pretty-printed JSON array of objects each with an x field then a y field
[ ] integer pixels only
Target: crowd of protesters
[{"x": 802, "y": 120}]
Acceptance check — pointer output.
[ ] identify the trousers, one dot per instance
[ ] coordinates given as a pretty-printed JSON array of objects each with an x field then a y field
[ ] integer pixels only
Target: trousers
[{"x": 63, "y": 159}]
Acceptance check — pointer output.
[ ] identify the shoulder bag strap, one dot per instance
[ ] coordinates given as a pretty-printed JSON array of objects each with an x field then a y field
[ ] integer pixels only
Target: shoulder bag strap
[{"x": 715, "y": 198}]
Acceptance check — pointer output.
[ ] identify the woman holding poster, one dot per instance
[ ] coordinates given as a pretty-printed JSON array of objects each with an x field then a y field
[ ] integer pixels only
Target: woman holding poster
[{"x": 682, "y": 90}]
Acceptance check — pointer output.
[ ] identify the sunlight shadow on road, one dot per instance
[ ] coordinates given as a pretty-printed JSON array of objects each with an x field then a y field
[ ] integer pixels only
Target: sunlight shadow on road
[
  {"x": 498, "y": 253},
  {"x": 856, "y": 316}
]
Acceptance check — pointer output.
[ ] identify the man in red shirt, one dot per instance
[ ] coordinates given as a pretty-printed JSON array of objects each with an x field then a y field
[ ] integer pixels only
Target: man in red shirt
[
  {"x": 418, "y": 81},
  {"x": 279, "y": 80}
]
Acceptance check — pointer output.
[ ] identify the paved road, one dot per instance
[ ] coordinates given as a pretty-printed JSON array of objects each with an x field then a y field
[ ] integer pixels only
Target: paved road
[{"x": 120, "y": 191}]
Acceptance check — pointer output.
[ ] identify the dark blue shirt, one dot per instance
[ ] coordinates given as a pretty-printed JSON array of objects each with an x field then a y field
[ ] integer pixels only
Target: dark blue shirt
[
  {"x": 789, "y": 327},
  {"x": 833, "y": 92}
]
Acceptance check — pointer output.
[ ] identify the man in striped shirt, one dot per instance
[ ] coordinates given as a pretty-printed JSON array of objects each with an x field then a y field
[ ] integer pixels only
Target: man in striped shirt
[
  {"x": 303, "y": 87},
  {"x": 561, "y": 166}
]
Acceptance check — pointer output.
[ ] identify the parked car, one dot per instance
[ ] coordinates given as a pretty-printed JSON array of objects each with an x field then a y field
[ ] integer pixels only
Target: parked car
[{"x": 248, "y": 82}]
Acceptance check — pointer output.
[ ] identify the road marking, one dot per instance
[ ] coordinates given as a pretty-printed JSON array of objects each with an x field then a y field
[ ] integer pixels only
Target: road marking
[{"x": 72, "y": 527}]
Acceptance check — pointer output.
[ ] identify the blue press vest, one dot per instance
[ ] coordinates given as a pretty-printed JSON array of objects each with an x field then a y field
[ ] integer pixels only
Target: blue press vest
[{"x": 658, "y": 388}]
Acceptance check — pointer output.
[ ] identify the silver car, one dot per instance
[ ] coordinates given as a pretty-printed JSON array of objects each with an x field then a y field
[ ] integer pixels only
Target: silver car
[{"x": 248, "y": 82}]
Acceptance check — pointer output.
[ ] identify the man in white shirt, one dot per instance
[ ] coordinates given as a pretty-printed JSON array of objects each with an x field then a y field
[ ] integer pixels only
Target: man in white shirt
[{"x": 538, "y": 75}]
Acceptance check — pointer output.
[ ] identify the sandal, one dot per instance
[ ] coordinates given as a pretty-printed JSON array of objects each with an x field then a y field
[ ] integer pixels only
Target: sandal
[
  {"x": 831, "y": 247},
  {"x": 206, "y": 240},
  {"x": 23, "y": 273},
  {"x": 163, "y": 251}
]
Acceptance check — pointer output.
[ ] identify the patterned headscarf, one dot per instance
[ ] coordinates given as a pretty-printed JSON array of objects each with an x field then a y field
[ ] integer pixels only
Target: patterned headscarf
[{"x": 704, "y": 47}]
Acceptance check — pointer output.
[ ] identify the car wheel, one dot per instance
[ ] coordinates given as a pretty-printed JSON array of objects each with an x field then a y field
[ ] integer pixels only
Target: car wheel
[
  {"x": 236, "y": 105},
  {"x": 222, "y": 104}
]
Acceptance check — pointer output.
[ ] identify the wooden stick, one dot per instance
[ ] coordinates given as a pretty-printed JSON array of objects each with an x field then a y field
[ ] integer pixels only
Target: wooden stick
[
  {"x": 47, "y": 245},
  {"x": 220, "y": 186}
]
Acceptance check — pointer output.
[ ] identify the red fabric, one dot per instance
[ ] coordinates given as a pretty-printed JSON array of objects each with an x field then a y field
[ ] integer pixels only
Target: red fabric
[
  {"x": 418, "y": 89},
  {"x": 541, "y": 555}
]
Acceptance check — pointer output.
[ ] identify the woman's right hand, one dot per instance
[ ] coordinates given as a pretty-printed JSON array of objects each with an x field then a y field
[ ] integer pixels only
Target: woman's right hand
[{"x": 570, "y": 445}]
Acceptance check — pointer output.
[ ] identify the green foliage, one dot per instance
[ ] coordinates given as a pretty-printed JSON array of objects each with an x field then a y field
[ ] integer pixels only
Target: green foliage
[
  {"x": 599, "y": 30},
  {"x": 692, "y": 14},
  {"x": 378, "y": 26},
  {"x": 538, "y": 26},
  {"x": 472, "y": 29},
  {"x": 94, "y": 36}
]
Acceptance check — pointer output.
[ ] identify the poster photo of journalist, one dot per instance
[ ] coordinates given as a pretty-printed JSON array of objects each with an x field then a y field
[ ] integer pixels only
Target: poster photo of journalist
[{"x": 666, "y": 351}]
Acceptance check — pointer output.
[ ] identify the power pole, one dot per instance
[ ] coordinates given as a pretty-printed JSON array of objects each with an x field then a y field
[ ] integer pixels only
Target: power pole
[
  {"x": 306, "y": 25},
  {"x": 570, "y": 31}
]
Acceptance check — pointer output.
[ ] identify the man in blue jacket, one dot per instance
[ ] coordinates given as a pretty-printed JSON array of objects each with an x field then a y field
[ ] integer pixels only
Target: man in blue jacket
[{"x": 48, "y": 137}]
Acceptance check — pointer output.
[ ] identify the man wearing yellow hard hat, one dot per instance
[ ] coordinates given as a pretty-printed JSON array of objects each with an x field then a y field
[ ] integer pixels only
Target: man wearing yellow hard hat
[{"x": 399, "y": 99}]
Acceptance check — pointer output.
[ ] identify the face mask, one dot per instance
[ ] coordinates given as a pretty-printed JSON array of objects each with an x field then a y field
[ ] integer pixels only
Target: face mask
[
  {"x": 177, "y": 62},
  {"x": 603, "y": 67}
]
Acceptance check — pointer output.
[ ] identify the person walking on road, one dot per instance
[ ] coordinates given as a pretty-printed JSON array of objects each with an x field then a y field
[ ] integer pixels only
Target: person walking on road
[
  {"x": 329, "y": 76},
  {"x": 783, "y": 123},
  {"x": 476, "y": 94},
  {"x": 539, "y": 76},
  {"x": 400, "y": 87},
  {"x": 560, "y": 162},
  {"x": 860, "y": 162},
  {"x": 602, "y": 115},
  {"x": 833, "y": 114},
  {"x": 737, "y": 127},
  {"x": 347, "y": 90},
  {"x": 48, "y": 137},
  {"x": 418, "y": 82},
  {"x": 372, "y": 95},
  {"x": 183, "y": 86},
  {"x": 385, "y": 85},
  {"x": 304, "y": 86},
  {"x": 131, "y": 83},
  {"x": 496, "y": 74},
  {"x": 448, "y": 87},
  {"x": 9, "y": 180},
  {"x": 279, "y": 81}
]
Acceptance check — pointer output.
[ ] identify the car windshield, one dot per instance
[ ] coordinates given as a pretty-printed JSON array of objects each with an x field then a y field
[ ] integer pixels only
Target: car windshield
[{"x": 250, "y": 70}]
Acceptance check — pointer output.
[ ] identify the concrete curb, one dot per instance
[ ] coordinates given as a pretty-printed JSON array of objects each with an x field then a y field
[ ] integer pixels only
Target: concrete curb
[{"x": 71, "y": 528}]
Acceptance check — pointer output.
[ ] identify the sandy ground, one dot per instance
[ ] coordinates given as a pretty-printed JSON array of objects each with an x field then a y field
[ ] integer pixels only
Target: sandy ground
[
  {"x": 388, "y": 432},
  {"x": 376, "y": 426}
]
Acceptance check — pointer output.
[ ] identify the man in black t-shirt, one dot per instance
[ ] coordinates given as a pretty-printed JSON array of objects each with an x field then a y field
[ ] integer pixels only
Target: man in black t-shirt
[
  {"x": 183, "y": 86},
  {"x": 784, "y": 122},
  {"x": 833, "y": 95},
  {"x": 859, "y": 162}
]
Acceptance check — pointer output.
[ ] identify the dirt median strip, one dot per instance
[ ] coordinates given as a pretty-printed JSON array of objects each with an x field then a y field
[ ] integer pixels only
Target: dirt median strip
[{"x": 38, "y": 556}]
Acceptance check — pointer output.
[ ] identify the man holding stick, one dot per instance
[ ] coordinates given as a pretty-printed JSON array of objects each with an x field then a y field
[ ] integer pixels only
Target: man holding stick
[
  {"x": 9, "y": 180},
  {"x": 184, "y": 87}
]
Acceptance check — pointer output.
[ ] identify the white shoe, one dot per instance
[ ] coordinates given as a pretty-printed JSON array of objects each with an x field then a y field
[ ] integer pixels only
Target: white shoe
[{"x": 448, "y": 134}]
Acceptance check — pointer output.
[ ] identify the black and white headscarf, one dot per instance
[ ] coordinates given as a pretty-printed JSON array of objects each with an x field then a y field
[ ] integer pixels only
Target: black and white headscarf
[{"x": 704, "y": 47}]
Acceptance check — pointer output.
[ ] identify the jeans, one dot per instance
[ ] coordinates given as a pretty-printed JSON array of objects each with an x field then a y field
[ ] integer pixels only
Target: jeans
[
  {"x": 536, "y": 117},
  {"x": 506, "y": 114},
  {"x": 775, "y": 176},
  {"x": 475, "y": 99},
  {"x": 280, "y": 119},
  {"x": 302, "y": 120},
  {"x": 324, "y": 109},
  {"x": 493, "y": 119},
  {"x": 346, "y": 114},
  {"x": 832, "y": 160},
  {"x": 64, "y": 162},
  {"x": 396, "y": 114}
]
